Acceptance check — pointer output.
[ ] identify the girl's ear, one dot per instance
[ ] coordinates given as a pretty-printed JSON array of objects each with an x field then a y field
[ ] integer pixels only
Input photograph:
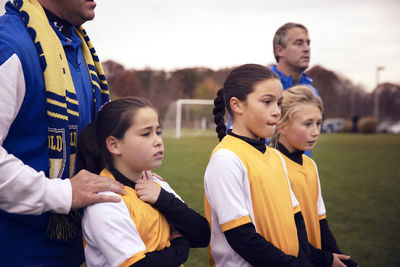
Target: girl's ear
[
  {"x": 112, "y": 144},
  {"x": 236, "y": 105}
]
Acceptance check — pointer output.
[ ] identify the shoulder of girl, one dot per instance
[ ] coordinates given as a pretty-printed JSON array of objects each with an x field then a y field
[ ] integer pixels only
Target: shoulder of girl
[
  {"x": 104, "y": 205},
  {"x": 108, "y": 193},
  {"x": 160, "y": 183},
  {"x": 224, "y": 153},
  {"x": 307, "y": 158}
]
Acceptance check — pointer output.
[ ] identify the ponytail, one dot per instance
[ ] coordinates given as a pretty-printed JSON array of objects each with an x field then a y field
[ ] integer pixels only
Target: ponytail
[
  {"x": 90, "y": 156},
  {"x": 219, "y": 112}
]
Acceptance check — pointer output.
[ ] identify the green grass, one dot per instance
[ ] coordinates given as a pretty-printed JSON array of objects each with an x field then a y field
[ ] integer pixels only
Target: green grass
[
  {"x": 185, "y": 132},
  {"x": 183, "y": 168},
  {"x": 360, "y": 179}
]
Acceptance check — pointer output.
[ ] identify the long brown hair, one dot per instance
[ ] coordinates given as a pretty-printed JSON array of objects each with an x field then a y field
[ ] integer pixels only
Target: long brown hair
[{"x": 113, "y": 119}]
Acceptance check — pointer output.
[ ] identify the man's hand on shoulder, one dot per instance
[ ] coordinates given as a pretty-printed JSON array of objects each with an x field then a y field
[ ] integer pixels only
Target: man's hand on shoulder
[{"x": 86, "y": 186}]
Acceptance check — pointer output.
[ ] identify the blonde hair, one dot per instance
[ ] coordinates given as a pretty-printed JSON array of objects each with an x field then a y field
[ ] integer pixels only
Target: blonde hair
[{"x": 293, "y": 98}]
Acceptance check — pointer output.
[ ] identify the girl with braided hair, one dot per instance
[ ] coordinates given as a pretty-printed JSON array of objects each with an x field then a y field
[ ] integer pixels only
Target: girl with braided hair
[{"x": 254, "y": 216}]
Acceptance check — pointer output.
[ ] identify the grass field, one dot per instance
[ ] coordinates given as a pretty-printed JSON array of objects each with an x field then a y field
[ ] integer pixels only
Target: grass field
[{"x": 360, "y": 179}]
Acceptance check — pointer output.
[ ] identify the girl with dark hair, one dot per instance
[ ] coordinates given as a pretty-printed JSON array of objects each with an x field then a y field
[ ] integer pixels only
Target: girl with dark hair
[
  {"x": 151, "y": 226},
  {"x": 297, "y": 131},
  {"x": 254, "y": 216}
]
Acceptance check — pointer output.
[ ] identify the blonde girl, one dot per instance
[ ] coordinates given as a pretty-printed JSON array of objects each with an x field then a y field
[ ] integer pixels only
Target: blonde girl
[
  {"x": 151, "y": 226},
  {"x": 297, "y": 131}
]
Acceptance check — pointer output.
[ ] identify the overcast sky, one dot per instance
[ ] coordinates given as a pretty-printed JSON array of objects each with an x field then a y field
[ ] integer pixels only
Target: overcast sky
[{"x": 348, "y": 37}]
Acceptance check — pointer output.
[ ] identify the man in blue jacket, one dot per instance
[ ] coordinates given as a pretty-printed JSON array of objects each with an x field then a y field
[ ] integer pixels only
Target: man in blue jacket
[
  {"x": 291, "y": 46},
  {"x": 51, "y": 86}
]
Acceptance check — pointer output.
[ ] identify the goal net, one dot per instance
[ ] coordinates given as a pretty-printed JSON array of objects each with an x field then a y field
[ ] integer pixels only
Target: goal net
[{"x": 188, "y": 118}]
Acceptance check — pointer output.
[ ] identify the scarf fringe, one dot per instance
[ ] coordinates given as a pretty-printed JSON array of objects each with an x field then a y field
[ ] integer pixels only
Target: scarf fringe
[{"x": 64, "y": 227}]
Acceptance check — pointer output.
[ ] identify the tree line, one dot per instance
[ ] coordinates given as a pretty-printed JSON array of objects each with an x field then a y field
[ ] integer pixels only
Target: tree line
[{"x": 342, "y": 98}]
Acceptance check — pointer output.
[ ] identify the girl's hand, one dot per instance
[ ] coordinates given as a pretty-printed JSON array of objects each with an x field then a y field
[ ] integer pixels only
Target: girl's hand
[
  {"x": 337, "y": 260},
  {"x": 147, "y": 191},
  {"x": 148, "y": 175}
]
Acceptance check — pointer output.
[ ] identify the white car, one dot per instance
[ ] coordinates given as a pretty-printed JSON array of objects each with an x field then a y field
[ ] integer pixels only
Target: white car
[
  {"x": 332, "y": 125},
  {"x": 395, "y": 128}
]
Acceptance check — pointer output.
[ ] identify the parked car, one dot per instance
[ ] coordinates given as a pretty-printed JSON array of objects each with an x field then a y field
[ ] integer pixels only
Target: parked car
[
  {"x": 389, "y": 127},
  {"x": 384, "y": 127},
  {"x": 332, "y": 125},
  {"x": 395, "y": 128}
]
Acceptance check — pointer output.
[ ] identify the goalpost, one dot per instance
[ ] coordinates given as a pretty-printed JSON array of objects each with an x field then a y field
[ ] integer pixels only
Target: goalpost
[{"x": 179, "y": 104}]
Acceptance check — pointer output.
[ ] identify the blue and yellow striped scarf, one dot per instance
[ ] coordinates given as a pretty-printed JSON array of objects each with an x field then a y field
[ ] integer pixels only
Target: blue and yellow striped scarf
[{"x": 61, "y": 100}]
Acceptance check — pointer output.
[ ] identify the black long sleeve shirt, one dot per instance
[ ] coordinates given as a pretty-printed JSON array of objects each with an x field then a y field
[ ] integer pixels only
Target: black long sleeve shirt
[{"x": 255, "y": 249}]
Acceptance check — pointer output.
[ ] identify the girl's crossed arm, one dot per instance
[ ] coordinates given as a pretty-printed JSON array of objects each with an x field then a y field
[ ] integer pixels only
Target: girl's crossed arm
[{"x": 190, "y": 224}]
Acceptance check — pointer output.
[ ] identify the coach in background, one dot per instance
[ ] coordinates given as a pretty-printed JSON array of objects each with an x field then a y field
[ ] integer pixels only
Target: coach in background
[
  {"x": 291, "y": 46},
  {"x": 51, "y": 87},
  {"x": 292, "y": 52}
]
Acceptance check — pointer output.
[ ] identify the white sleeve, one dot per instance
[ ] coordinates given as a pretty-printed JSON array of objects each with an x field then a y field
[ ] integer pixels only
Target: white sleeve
[
  {"x": 224, "y": 186},
  {"x": 108, "y": 229},
  {"x": 320, "y": 203},
  {"x": 22, "y": 189}
]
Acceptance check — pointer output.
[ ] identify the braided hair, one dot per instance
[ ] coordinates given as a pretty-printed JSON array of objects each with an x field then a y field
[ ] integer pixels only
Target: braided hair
[
  {"x": 239, "y": 83},
  {"x": 219, "y": 112}
]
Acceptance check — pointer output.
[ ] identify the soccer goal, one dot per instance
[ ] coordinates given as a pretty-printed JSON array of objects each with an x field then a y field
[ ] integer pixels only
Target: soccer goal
[
  {"x": 188, "y": 117},
  {"x": 179, "y": 104}
]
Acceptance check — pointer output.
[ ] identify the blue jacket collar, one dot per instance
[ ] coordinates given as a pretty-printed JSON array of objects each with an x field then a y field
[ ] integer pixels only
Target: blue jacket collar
[{"x": 287, "y": 80}]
